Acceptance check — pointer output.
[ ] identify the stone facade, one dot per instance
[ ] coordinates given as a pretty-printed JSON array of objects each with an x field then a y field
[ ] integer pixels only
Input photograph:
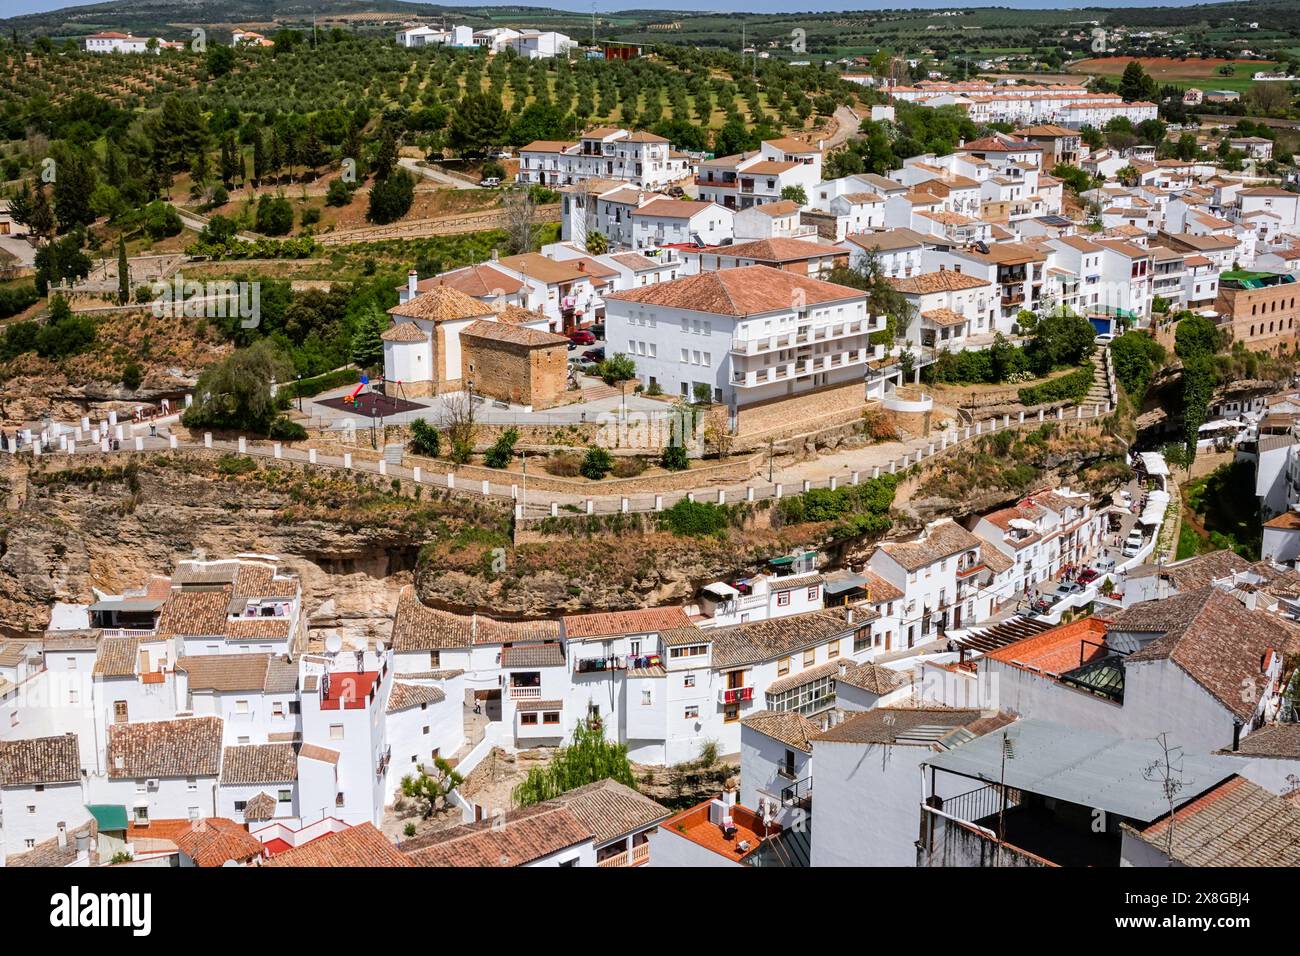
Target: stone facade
[
  {"x": 1263, "y": 319},
  {"x": 510, "y": 372}
]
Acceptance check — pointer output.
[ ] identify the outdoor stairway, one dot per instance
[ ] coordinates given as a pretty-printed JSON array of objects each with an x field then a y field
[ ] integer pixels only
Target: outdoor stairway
[
  {"x": 393, "y": 454},
  {"x": 1099, "y": 393}
]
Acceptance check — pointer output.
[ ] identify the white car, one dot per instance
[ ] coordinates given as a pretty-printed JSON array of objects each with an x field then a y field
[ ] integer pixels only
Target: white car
[
  {"x": 1132, "y": 545},
  {"x": 492, "y": 182},
  {"x": 1104, "y": 339}
]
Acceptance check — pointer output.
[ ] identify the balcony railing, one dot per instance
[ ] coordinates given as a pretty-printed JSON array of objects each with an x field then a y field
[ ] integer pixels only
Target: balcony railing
[
  {"x": 525, "y": 693},
  {"x": 734, "y": 695},
  {"x": 638, "y": 855},
  {"x": 797, "y": 793}
]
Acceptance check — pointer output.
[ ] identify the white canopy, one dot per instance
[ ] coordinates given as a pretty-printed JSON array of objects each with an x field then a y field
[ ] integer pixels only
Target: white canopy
[
  {"x": 1154, "y": 463},
  {"x": 1022, "y": 524},
  {"x": 1154, "y": 511}
]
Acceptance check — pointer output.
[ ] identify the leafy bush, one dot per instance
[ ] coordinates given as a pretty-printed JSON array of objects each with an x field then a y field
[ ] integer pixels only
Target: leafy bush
[
  {"x": 310, "y": 216},
  {"x": 274, "y": 215},
  {"x": 318, "y": 383},
  {"x": 1068, "y": 388},
  {"x": 674, "y": 458},
  {"x": 17, "y": 298},
  {"x": 132, "y": 375},
  {"x": 286, "y": 429},
  {"x": 596, "y": 463},
  {"x": 65, "y": 333},
  {"x": 1135, "y": 357},
  {"x": 338, "y": 193},
  {"x": 502, "y": 450},
  {"x": 424, "y": 439},
  {"x": 391, "y": 198},
  {"x": 696, "y": 519},
  {"x": 617, "y": 368}
]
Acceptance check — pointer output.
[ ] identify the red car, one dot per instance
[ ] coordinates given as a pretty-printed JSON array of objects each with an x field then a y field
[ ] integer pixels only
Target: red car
[
  {"x": 1087, "y": 576},
  {"x": 582, "y": 337}
]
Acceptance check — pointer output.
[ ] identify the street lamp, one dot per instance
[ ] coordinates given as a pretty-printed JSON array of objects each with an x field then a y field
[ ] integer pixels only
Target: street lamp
[{"x": 300, "y": 392}]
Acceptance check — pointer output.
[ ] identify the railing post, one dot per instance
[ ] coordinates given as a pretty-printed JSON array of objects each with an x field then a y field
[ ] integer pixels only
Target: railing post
[
  {"x": 277, "y": 450},
  {"x": 139, "y": 444},
  {"x": 832, "y": 482},
  {"x": 622, "y": 504},
  {"x": 451, "y": 480},
  {"x": 311, "y": 456},
  {"x": 243, "y": 444},
  {"x": 417, "y": 474},
  {"x": 487, "y": 487},
  {"x": 779, "y": 490},
  {"x": 383, "y": 467},
  {"x": 347, "y": 460},
  {"x": 807, "y": 486},
  {"x": 659, "y": 502},
  {"x": 514, "y": 490},
  {"x": 591, "y": 506},
  {"x": 690, "y": 496},
  {"x": 172, "y": 442},
  {"x": 207, "y": 439},
  {"x": 555, "y": 509},
  {"x": 749, "y": 493},
  {"x": 854, "y": 477},
  {"x": 875, "y": 471},
  {"x": 722, "y": 496},
  {"x": 1022, "y": 416}
]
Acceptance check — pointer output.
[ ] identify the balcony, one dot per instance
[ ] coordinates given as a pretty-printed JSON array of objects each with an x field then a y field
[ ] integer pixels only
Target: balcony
[
  {"x": 525, "y": 693},
  {"x": 637, "y": 856},
  {"x": 735, "y": 695},
  {"x": 1015, "y": 298},
  {"x": 970, "y": 569}
]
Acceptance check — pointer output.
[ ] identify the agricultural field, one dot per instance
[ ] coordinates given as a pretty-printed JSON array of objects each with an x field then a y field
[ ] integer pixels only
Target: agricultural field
[{"x": 1193, "y": 71}]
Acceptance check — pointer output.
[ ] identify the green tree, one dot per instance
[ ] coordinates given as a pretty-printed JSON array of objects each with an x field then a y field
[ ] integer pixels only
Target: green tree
[
  {"x": 424, "y": 439},
  {"x": 73, "y": 187},
  {"x": 123, "y": 273},
  {"x": 502, "y": 450},
  {"x": 596, "y": 463},
  {"x": 274, "y": 215},
  {"x": 795, "y": 194},
  {"x": 391, "y": 198},
  {"x": 617, "y": 368},
  {"x": 1135, "y": 84},
  {"x": 477, "y": 125},
  {"x": 236, "y": 392},
  {"x": 367, "y": 344},
  {"x": 589, "y": 758},
  {"x": 430, "y": 790},
  {"x": 597, "y": 244}
]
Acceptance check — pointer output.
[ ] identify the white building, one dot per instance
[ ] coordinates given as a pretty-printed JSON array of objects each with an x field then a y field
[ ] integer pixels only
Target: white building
[
  {"x": 41, "y": 792},
  {"x": 746, "y": 335},
  {"x": 110, "y": 42}
]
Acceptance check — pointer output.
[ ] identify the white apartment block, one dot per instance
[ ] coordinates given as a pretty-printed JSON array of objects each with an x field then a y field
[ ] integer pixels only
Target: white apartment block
[
  {"x": 640, "y": 159},
  {"x": 745, "y": 335},
  {"x": 750, "y": 179},
  {"x": 110, "y": 42}
]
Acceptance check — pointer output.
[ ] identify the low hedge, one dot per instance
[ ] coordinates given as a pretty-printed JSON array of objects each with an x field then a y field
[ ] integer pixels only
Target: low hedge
[
  {"x": 319, "y": 383},
  {"x": 1068, "y": 388}
]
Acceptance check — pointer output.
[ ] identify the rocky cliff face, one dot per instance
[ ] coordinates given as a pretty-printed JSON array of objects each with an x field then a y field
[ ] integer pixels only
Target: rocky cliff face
[{"x": 63, "y": 536}]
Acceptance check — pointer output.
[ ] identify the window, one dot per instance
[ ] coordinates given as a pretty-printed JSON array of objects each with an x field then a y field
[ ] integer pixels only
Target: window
[
  {"x": 692, "y": 713},
  {"x": 646, "y": 699},
  {"x": 731, "y": 713},
  {"x": 191, "y": 784},
  {"x": 788, "y": 769},
  {"x": 336, "y": 731},
  {"x": 193, "y": 813},
  {"x": 239, "y": 805},
  {"x": 813, "y": 592},
  {"x": 435, "y": 659},
  {"x": 688, "y": 680},
  {"x": 690, "y": 650},
  {"x": 783, "y": 599},
  {"x": 783, "y": 666},
  {"x": 551, "y": 717},
  {"x": 832, "y": 649},
  {"x": 810, "y": 657},
  {"x": 119, "y": 712},
  {"x": 277, "y": 709},
  {"x": 31, "y": 809},
  {"x": 285, "y": 796},
  {"x": 528, "y": 720}
]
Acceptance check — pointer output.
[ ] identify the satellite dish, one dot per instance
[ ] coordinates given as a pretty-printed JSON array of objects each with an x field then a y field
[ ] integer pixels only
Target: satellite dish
[{"x": 333, "y": 643}]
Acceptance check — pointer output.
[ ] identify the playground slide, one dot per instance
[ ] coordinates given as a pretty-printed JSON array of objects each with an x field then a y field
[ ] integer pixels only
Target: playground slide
[{"x": 352, "y": 396}]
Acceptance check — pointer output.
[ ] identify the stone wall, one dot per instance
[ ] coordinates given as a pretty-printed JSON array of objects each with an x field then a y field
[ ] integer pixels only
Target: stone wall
[{"x": 515, "y": 373}]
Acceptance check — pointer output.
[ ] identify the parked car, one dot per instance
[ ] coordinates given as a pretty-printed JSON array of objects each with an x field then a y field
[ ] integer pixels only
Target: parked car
[
  {"x": 1104, "y": 339},
  {"x": 1088, "y": 575},
  {"x": 1104, "y": 565},
  {"x": 594, "y": 355},
  {"x": 1067, "y": 588},
  {"x": 1042, "y": 606},
  {"x": 1132, "y": 544},
  {"x": 598, "y": 330},
  {"x": 491, "y": 182},
  {"x": 675, "y": 191},
  {"x": 581, "y": 337}
]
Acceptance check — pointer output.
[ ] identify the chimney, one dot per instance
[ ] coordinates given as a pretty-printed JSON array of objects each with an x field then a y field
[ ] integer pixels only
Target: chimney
[
  {"x": 848, "y": 616},
  {"x": 83, "y": 841},
  {"x": 494, "y": 255},
  {"x": 62, "y": 837},
  {"x": 412, "y": 279}
]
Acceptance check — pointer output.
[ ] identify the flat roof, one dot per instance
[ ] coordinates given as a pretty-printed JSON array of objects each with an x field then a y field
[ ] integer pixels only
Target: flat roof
[{"x": 1080, "y": 766}]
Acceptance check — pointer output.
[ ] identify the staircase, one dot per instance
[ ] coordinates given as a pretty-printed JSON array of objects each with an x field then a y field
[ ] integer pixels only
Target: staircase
[
  {"x": 1099, "y": 393},
  {"x": 393, "y": 454}
]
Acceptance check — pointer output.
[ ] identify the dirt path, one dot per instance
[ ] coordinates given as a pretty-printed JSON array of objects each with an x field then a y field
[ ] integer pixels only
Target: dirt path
[{"x": 438, "y": 226}]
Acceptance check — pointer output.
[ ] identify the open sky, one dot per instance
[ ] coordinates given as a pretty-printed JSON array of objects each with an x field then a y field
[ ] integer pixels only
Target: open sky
[{"x": 16, "y": 7}]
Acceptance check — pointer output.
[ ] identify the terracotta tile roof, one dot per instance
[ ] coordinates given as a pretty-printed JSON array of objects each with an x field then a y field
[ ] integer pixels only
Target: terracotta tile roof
[
  {"x": 880, "y": 590},
  {"x": 546, "y": 146},
  {"x": 613, "y": 623},
  {"x": 612, "y": 810},
  {"x": 405, "y": 332},
  {"x": 521, "y": 837},
  {"x": 678, "y": 636},
  {"x": 641, "y": 136},
  {"x": 903, "y": 726},
  {"x": 755, "y": 641},
  {"x": 785, "y": 726},
  {"x": 1287, "y": 521},
  {"x": 672, "y": 208},
  {"x": 807, "y": 675},
  {"x": 1058, "y": 649},
  {"x": 945, "y": 318},
  {"x": 259, "y": 628},
  {"x": 259, "y": 763},
  {"x": 195, "y": 613},
  {"x": 635, "y": 261},
  {"x": 442, "y": 303},
  {"x": 253, "y": 579},
  {"x": 1237, "y": 823},
  {"x": 215, "y": 840},
  {"x": 361, "y": 845},
  {"x": 260, "y": 808},
  {"x": 863, "y": 198},
  {"x": 941, "y": 541},
  {"x": 518, "y": 315},
  {"x": 794, "y": 582},
  {"x": 780, "y": 250},
  {"x": 770, "y": 167},
  {"x": 420, "y": 628},
  {"x": 225, "y": 672},
  {"x": 788, "y": 144},
  {"x": 1271, "y": 740},
  {"x": 1212, "y": 637},
  {"x": 520, "y": 335},
  {"x": 186, "y": 747},
  {"x": 544, "y": 269},
  {"x": 117, "y": 657},
  {"x": 996, "y": 560},
  {"x": 889, "y": 240},
  {"x": 40, "y": 760},
  {"x": 1192, "y": 574},
  {"x": 477, "y": 281},
  {"x": 314, "y": 752},
  {"x": 999, "y": 144},
  {"x": 748, "y": 290},
  {"x": 872, "y": 678},
  {"x": 529, "y": 706},
  {"x": 404, "y": 696},
  {"x": 550, "y": 654},
  {"x": 48, "y": 854}
]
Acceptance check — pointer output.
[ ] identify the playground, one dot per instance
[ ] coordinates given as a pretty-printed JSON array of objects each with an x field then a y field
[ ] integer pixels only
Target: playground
[{"x": 369, "y": 404}]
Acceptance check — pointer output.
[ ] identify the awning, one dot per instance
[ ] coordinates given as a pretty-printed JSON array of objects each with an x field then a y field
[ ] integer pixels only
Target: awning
[
  {"x": 128, "y": 605},
  {"x": 722, "y": 590},
  {"x": 1154, "y": 463},
  {"x": 1154, "y": 510},
  {"x": 108, "y": 816}
]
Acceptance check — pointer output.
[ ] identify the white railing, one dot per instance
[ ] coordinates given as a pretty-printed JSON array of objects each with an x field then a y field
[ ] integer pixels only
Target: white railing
[{"x": 525, "y": 693}]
